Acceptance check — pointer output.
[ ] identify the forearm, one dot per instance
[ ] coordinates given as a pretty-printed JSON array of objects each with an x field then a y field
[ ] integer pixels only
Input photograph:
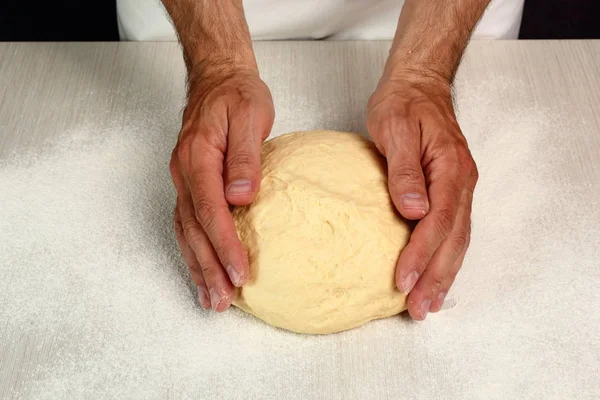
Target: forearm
[
  {"x": 213, "y": 33},
  {"x": 432, "y": 35}
]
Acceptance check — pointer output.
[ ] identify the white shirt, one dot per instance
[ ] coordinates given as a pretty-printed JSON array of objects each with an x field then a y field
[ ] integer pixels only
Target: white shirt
[{"x": 313, "y": 19}]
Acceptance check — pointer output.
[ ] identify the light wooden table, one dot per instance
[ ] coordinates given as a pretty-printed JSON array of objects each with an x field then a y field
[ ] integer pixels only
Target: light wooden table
[{"x": 523, "y": 318}]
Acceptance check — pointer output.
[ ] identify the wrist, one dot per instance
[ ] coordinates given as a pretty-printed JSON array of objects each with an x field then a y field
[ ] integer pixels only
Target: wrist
[
  {"x": 434, "y": 52},
  {"x": 214, "y": 36},
  {"x": 406, "y": 65},
  {"x": 422, "y": 77},
  {"x": 220, "y": 66}
]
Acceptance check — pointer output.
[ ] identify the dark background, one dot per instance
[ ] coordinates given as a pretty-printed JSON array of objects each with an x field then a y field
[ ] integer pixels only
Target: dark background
[{"x": 89, "y": 20}]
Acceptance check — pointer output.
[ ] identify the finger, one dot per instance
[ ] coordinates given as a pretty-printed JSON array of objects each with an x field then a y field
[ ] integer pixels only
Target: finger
[
  {"x": 438, "y": 302},
  {"x": 242, "y": 162},
  {"x": 444, "y": 265},
  {"x": 220, "y": 290},
  {"x": 436, "y": 305},
  {"x": 405, "y": 175},
  {"x": 212, "y": 211},
  {"x": 192, "y": 263},
  {"x": 188, "y": 254},
  {"x": 444, "y": 195}
]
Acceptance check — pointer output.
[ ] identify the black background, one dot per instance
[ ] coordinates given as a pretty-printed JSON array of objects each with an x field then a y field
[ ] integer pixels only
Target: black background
[{"x": 96, "y": 20}]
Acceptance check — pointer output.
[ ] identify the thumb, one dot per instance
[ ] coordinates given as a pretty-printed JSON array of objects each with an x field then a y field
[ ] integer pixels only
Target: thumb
[
  {"x": 242, "y": 164},
  {"x": 406, "y": 181}
]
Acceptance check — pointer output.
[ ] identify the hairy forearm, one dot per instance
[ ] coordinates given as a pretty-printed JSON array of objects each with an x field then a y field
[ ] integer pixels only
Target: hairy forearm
[
  {"x": 432, "y": 35},
  {"x": 213, "y": 33}
]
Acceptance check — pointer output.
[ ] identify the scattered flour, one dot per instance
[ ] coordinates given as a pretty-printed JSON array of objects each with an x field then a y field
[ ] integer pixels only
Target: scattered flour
[{"x": 96, "y": 298}]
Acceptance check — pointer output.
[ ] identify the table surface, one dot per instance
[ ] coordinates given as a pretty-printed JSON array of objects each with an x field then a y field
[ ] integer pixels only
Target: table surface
[{"x": 94, "y": 298}]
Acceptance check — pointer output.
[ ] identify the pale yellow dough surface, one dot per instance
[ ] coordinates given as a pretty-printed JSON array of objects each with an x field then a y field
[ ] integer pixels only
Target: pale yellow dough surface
[{"x": 323, "y": 237}]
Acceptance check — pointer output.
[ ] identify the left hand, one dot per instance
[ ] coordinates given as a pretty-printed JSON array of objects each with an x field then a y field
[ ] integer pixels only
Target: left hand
[{"x": 432, "y": 177}]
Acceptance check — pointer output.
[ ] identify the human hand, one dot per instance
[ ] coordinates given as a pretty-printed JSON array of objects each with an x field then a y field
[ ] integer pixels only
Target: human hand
[
  {"x": 216, "y": 163},
  {"x": 432, "y": 177}
]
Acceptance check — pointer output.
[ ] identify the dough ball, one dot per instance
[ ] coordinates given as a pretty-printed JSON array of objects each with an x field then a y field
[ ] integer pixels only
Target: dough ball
[{"x": 322, "y": 236}]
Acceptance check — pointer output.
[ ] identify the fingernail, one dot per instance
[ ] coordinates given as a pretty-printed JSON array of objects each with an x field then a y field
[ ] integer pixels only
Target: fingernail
[
  {"x": 234, "y": 275},
  {"x": 425, "y": 305},
  {"x": 241, "y": 186},
  {"x": 215, "y": 298},
  {"x": 409, "y": 281},
  {"x": 440, "y": 298},
  {"x": 414, "y": 201},
  {"x": 203, "y": 297}
]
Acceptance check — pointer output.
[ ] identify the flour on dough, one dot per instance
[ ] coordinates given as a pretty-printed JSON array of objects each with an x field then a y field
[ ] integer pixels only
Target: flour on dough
[{"x": 323, "y": 237}]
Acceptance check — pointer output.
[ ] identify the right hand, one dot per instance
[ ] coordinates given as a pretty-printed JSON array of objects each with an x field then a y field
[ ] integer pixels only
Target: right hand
[{"x": 216, "y": 163}]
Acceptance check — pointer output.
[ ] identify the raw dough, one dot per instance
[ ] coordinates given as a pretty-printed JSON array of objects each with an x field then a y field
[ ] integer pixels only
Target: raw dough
[{"x": 323, "y": 237}]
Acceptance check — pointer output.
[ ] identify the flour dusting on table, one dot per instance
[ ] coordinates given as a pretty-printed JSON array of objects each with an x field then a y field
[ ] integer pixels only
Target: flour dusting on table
[{"x": 89, "y": 265}]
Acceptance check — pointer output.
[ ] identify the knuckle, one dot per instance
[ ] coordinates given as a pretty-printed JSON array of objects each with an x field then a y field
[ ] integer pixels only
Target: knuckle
[
  {"x": 244, "y": 106},
  {"x": 453, "y": 149},
  {"x": 187, "y": 141},
  {"x": 387, "y": 124},
  {"x": 422, "y": 259},
  {"x": 399, "y": 125},
  {"x": 220, "y": 248},
  {"x": 443, "y": 222},
  {"x": 465, "y": 161},
  {"x": 205, "y": 213},
  {"x": 214, "y": 139},
  {"x": 437, "y": 279},
  {"x": 206, "y": 264},
  {"x": 179, "y": 233},
  {"x": 197, "y": 145},
  {"x": 461, "y": 150},
  {"x": 240, "y": 160},
  {"x": 209, "y": 269},
  {"x": 459, "y": 242},
  {"x": 194, "y": 267},
  {"x": 443, "y": 148},
  {"x": 397, "y": 121},
  {"x": 190, "y": 232},
  {"x": 406, "y": 174},
  {"x": 183, "y": 149},
  {"x": 196, "y": 270}
]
